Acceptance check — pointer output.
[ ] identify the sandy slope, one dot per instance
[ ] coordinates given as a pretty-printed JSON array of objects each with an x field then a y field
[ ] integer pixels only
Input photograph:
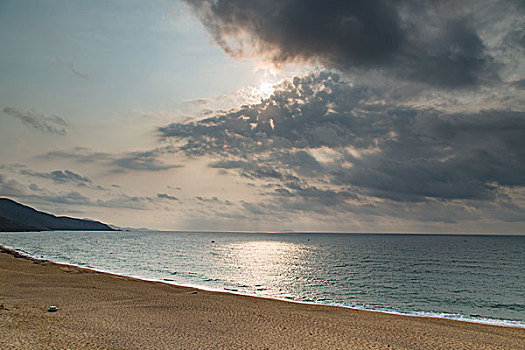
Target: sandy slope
[{"x": 97, "y": 310}]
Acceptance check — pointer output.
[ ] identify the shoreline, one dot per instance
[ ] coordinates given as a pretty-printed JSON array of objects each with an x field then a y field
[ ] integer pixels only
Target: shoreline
[
  {"x": 102, "y": 310},
  {"x": 421, "y": 314}
]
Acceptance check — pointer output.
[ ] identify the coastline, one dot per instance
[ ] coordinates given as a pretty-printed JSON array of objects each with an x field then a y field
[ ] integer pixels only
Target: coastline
[
  {"x": 386, "y": 310},
  {"x": 102, "y": 310}
]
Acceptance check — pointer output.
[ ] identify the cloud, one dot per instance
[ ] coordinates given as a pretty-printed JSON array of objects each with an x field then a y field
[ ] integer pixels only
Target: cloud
[
  {"x": 59, "y": 176},
  {"x": 198, "y": 103},
  {"x": 71, "y": 67},
  {"x": 13, "y": 188},
  {"x": 326, "y": 145},
  {"x": 125, "y": 201},
  {"x": 47, "y": 124},
  {"x": 35, "y": 187},
  {"x": 166, "y": 196},
  {"x": 84, "y": 197},
  {"x": 10, "y": 187},
  {"x": 434, "y": 43},
  {"x": 214, "y": 200},
  {"x": 142, "y": 161},
  {"x": 519, "y": 84},
  {"x": 74, "y": 198},
  {"x": 248, "y": 169},
  {"x": 81, "y": 154}
]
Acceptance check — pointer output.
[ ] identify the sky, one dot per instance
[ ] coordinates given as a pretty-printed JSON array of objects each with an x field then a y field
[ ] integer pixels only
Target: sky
[{"x": 244, "y": 115}]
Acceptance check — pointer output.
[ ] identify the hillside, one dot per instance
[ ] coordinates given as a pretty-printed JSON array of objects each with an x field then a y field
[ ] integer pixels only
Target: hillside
[
  {"x": 10, "y": 226},
  {"x": 17, "y": 217}
]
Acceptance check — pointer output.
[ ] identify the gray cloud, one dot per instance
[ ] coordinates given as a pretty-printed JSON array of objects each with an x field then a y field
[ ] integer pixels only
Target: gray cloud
[
  {"x": 10, "y": 187},
  {"x": 299, "y": 161},
  {"x": 425, "y": 41},
  {"x": 166, "y": 196},
  {"x": 198, "y": 103},
  {"x": 519, "y": 84},
  {"x": 13, "y": 188},
  {"x": 322, "y": 144},
  {"x": 35, "y": 187},
  {"x": 459, "y": 156},
  {"x": 33, "y": 193},
  {"x": 325, "y": 197},
  {"x": 80, "y": 154},
  {"x": 248, "y": 169},
  {"x": 71, "y": 67},
  {"x": 143, "y": 161},
  {"x": 73, "y": 197},
  {"x": 59, "y": 176},
  {"x": 76, "y": 198},
  {"x": 125, "y": 201},
  {"x": 48, "y": 124},
  {"x": 214, "y": 200}
]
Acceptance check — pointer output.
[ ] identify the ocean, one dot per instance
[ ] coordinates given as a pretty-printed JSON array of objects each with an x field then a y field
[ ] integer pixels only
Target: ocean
[{"x": 471, "y": 278}]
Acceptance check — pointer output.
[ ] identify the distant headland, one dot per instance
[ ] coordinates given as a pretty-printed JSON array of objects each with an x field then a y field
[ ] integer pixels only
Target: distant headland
[{"x": 16, "y": 217}]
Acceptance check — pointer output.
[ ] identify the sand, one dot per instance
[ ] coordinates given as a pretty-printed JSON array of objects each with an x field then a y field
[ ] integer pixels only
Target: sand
[{"x": 104, "y": 311}]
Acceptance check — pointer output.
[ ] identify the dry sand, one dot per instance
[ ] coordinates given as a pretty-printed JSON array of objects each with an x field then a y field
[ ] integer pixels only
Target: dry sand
[{"x": 104, "y": 311}]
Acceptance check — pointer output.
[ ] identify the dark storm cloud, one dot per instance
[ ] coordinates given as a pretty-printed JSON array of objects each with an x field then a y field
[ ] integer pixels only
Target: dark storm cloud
[
  {"x": 424, "y": 41},
  {"x": 339, "y": 31},
  {"x": 458, "y": 156},
  {"x": 48, "y": 124},
  {"x": 59, "y": 176},
  {"x": 455, "y": 58},
  {"x": 366, "y": 145}
]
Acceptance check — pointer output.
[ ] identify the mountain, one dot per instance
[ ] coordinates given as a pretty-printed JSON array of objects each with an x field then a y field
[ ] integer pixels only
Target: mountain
[
  {"x": 11, "y": 226},
  {"x": 17, "y": 217}
]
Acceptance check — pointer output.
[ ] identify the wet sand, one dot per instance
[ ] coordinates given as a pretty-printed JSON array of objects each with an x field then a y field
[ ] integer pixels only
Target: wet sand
[{"x": 105, "y": 311}]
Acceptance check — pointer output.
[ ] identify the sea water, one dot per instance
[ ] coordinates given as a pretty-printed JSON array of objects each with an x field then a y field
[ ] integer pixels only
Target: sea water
[{"x": 475, "y": 278}]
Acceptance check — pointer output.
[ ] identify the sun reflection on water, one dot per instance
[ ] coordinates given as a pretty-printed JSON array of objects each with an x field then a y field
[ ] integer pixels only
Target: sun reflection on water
[{"x": 271, "y": 264}]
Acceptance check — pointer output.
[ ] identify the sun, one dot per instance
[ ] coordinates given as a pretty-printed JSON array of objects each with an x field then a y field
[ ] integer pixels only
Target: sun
[
  {"x": 255, "y": 94},
  {"x": 265, "y": 90}
]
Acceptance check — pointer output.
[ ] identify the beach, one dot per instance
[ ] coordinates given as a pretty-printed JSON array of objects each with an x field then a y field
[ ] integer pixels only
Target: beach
[{"x": 104, "y": 311}]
